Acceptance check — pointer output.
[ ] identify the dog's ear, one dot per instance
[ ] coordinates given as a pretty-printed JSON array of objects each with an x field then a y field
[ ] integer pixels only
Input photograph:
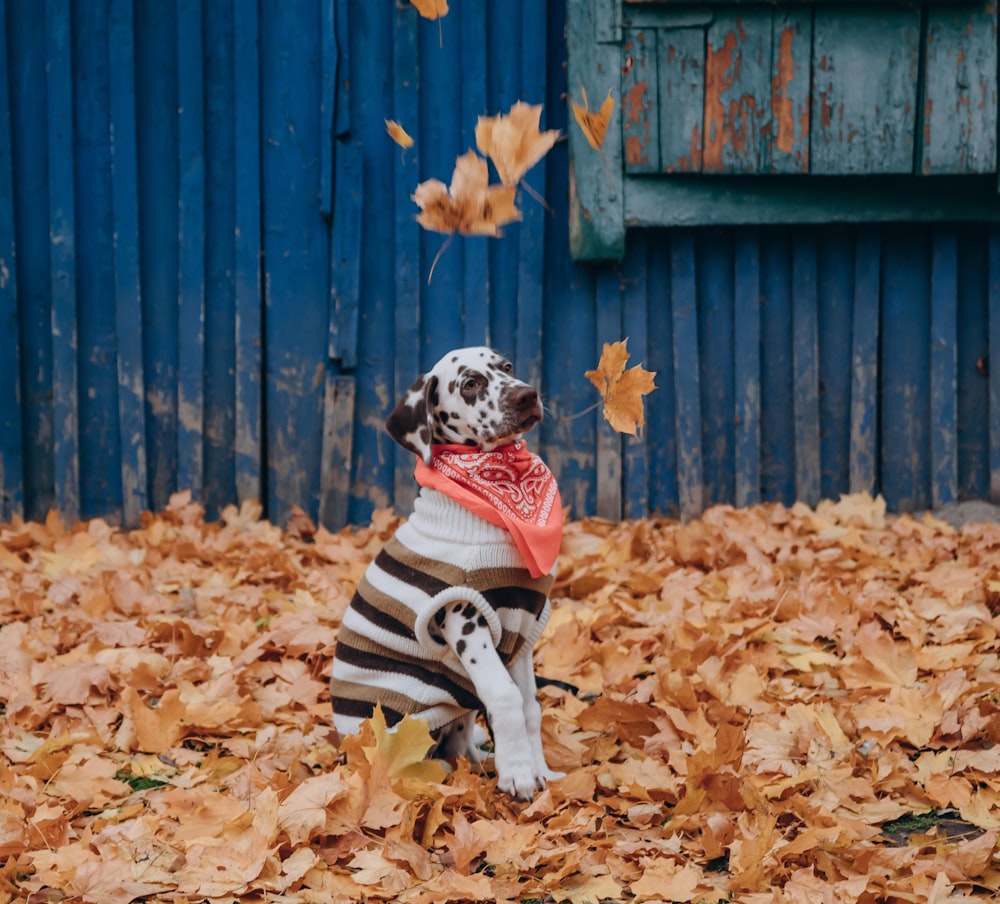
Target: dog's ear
[{"x": 411, "y": 423}]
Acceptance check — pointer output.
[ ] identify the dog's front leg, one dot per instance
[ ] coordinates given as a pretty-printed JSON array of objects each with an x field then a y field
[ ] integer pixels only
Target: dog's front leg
[
  {"x": 473, "y": 644},
  {"x": 523, "y": 673}
]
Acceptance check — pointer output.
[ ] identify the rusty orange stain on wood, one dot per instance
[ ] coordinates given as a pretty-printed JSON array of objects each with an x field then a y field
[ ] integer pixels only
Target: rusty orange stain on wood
[
  {"x": 784, "y": 114},
  {"x": 635, "y": 103},
  {"x": 635, "y": 150},
  {"x": 719, "y": 78},
  {"x": 692, "y": 162}
]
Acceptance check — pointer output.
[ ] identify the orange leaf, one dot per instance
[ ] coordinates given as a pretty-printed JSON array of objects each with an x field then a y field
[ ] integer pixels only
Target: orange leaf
[
  {"x": 398, "y": 134},
  {"x": 594, "y": 124},
  {"x": 470, "y": 205},
  {"x": 622, "y": 389},
  {"x": 431, "y": 9},
  {"x": 514, "y": 142}
]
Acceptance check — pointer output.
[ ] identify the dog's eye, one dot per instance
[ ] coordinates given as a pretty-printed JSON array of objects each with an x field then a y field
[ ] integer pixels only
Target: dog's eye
[
  {"x": 469, "y": 384},
  {"x": 508, "y": 368}
]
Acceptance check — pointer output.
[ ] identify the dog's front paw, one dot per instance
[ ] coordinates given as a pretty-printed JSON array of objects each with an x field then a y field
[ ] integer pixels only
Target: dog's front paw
[{"x": 520, "y": 781}]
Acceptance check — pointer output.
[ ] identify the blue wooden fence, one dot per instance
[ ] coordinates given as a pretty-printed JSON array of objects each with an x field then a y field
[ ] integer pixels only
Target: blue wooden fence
[{"x": 211, "y": 277}]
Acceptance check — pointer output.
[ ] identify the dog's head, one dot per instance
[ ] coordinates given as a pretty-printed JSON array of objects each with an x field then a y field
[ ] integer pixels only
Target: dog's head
[{"x": 469, "y": 397}]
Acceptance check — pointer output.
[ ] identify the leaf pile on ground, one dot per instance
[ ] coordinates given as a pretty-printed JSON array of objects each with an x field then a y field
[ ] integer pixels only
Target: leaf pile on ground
[{"x": 765, "y": 696}]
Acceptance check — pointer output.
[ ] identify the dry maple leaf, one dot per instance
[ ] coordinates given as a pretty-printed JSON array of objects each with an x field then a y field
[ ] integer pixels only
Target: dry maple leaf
[
  {"x": 514, "y": 142},
  {"x": 593, "y": 124},
  {"x": 431, "y": 9},
  {"x": 622, "y": 389},
  {"x": 402, "y": 751},
  {"x": 470, "y": 205},
  {"x": 398, "y": 134}
]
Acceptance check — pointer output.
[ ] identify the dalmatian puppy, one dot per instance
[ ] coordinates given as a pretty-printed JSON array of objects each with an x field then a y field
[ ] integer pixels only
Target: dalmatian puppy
[{"x": 443, "y": 624}]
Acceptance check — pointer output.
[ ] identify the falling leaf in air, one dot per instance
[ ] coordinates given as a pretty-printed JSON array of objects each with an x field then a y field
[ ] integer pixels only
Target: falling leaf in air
[
  {"x": 514, "y": 142},
  {"x": 622, "y": 389},
  {"x": 470, "y": 205},
  {"x": 594, "y": 124},
  {"x": 431, "y": 9},
  {"x": 398, "y": 134}
]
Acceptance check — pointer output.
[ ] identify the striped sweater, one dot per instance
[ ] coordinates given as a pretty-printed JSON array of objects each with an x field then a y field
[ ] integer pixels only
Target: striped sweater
[{"x": 386, "y": 652}]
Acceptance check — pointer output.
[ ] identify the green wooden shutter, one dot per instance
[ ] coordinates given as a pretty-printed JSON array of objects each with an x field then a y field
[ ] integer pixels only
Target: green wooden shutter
[{"x": 792, "y": 111}]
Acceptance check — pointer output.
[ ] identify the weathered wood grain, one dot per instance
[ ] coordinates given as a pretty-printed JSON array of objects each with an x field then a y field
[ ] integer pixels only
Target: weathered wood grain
[
  {"x": 958, "y": 124},
  {"x": 865, "y": 364},
  {"x": 640, "y": 101},
  {"x": 746, "y": 368},
  {"x": 681, "y": 91},
  {"x": 738, "y": 93},
  {"x": 62, "y": 254},
  {"x": 791, "y": 59},
  {"x": 128, "y": 297},
  {"x": 805, "y": 369},
  {"x": 596, "y": 198},
  {"x": 864, "y": 95},
  {"x": 11, "y": 460},
  {"x": 944, "y": 367},
  {"x": 248, "y": 446},
  {"x": 687, "y": 367}
]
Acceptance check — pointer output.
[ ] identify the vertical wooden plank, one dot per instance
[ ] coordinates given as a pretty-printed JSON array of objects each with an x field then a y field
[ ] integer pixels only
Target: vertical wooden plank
[
  {"x": 777, "y": 420},
  {"x": 11, "y": 461},
  {"x": 864, "y": 362},
  {"x": 531, "y": 231},
  {"x": 337, "y": 448},
  {"x": 681, "y": 91},
  {"x": 597, "y": 196},
  {"x": 993, "y": 365},
  {"x": 905, "y": 363},
  {"x": 408, "y": 282},
  {"x": 247, "y": 252},
  {"x": 944, "y": 367},
  {"x": 791, "y": 53},
  {"x": 714, "y": 271},
  {"x": 329, "y": 62},
  {"x": 746, "y": 365},
  {"x": 738, "y": 93},
  {"x": 661, "y": 411},
  {"x": 62, "y": 257},
  {"x": 26, "y": 48},
  {"x": 191, "y": 249},
  {"x": 476, "y": 289},
  {"x": 641, "y": 101},
  {"x": 609, "y": 443},
  {"x": 128, "y": 297},
  {"x": 864, "y": 75},
  {"x": 348, "y": 194},
  {"x": 835, "y": 314},
  {"x": 687, "y": 369},
  {"x": 973, "y": 362},
  {"x": 635, "y": 326},
  {"x": 805, "y": 369},
  {"x": 296, "y": 252},
  {"x": 958, "y": 130}
]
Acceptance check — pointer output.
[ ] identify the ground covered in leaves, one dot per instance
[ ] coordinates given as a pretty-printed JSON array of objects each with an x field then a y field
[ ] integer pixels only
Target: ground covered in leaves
[{"x": 774, "y": 705}]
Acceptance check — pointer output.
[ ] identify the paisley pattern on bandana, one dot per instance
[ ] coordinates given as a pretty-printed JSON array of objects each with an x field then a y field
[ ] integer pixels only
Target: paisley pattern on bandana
[{"x": 509, "y": 487}]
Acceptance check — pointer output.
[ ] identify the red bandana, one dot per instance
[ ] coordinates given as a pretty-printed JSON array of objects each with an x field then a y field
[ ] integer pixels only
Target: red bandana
[{"x": 509, "y": 487}]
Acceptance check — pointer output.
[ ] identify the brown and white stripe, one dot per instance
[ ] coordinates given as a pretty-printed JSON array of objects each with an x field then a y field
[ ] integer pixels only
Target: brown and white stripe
[{"x": 388, "y": 649}]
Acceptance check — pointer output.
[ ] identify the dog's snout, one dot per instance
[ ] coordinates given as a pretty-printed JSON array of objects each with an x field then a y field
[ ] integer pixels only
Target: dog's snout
[{"x": 524, "y": 398}]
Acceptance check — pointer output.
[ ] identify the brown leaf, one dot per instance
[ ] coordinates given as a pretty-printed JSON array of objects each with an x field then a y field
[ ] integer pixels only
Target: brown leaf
[
  {"x": 594, "y": 124},
  {"x": 514, "y": 142},
  {"x": 470, "y": 205},
  {"x": 398, "y": 134},
  {"x": 622, "y": 389},
  {"x": 431, "y": 9}
]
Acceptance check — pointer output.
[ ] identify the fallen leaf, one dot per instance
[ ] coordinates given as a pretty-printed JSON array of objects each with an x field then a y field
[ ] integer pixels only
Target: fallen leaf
[
  {"x": 514, "y": 141},
  {"x": 594, "y": 124},
  {"x": 621, "y": 389}
]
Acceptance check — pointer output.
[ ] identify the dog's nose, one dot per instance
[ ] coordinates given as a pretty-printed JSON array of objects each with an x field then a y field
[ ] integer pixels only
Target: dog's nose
[{"x": 523, "y": 398}]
